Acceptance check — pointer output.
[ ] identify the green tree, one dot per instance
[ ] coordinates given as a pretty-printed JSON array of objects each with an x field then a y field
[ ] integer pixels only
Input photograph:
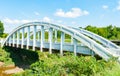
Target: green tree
[
  {"x": 103, "y": 32},
  {"x": 109, "y": 32},
  {"x": 1, "y": 28},
  {"x": 92, "y": 29}
]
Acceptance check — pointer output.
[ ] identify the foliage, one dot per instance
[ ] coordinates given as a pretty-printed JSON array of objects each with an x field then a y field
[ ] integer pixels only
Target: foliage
[
  {"x": 21, "y": 56},
  {"x": 68, "y": 65},
  {"x": 1, "y": 28},
  {"x": 109, "y": 32},
  {"x": 5, "y": 57},
  {"x": 56, "y": 65},
  {"x": 4, "y": 35}
]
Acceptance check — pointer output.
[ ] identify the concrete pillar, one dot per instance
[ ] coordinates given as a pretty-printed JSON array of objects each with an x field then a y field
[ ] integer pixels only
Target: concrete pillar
[
  {"x": 28, "y": 37},
  {"x": 38, "y": 35},
  {"x": 71, "y": 40},
  {"x": 92, "y": 52},
  {"x": 61, "y": 43},
  {"x": 18, "y": 38},
  {"x": 42, "y": 38},
  {"x": 34, "y": 37},
  {"x": 13, "y": 40},
  {"x": 10, "y": 41},
  {"x": 22, "y": 38},
  {"x": 50, "y": 39},
  {"x": 75, "y": 46},
  {"x": 55, "y": 36}
]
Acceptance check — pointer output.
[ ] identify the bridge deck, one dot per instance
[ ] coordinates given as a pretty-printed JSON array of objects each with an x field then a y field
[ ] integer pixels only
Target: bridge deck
[{"x": 80, "y": 48}]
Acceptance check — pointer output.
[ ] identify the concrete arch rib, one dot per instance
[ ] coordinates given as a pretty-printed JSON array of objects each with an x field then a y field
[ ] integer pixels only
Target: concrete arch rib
[
  {"x": 97, "y": 48},
  {"x": 104, "y": 41}
]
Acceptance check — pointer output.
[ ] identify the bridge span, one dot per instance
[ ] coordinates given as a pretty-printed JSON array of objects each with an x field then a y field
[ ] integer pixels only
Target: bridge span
[{"x": 81, "y": 41}]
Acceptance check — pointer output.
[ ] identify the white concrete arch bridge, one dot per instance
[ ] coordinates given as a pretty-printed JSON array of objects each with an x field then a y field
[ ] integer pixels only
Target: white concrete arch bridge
[{"x": 81, "y": 41}]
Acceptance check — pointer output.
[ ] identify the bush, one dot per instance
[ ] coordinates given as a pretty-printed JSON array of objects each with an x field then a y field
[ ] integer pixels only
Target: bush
[{"x": 68, "y": 65}]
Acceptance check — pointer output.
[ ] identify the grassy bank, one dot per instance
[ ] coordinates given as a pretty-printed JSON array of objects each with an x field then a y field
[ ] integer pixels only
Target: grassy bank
[
  {"x": 45, "y": 64},
  {"x": 5, "y": 57},
  {"x": 69, "y": 65},
  {"x": 18, "y": 57}
]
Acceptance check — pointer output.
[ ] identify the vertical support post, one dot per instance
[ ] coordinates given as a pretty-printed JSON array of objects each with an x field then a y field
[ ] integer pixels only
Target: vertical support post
[
  {"x": 10, "y": 41},
  {"x": 28, "y": 37},
  {"x": 34, "y": 37},
  {"x": 50, "y": 39},
  {"x": 13, "y": 39},
  {"x": 61, "y": 43},
  {"x": 55, "y": 36},
  {"x": 92, "y": 52},
  {"x": 38, "y": 35},
  {"x": 75, "y": 46},
  {"x": 22, "y": 37},
  {"x": 71, "y": 40},
  {"x": 42, "y": 38},
  {"x": 18, "y": 38}
]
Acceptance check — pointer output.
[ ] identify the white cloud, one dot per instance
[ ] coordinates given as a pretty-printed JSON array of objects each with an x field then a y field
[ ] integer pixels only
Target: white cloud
[
  {"x": 46, "y": 19},
  {"x": 59, "y": 21},
  {"x": 119, "y": 2},
  {"x": 22, "y": 21},
  {"x": 73, "y": 13},
  {"x": 10, "y": 24},
  {"x": 10, "y": 21},
  {"x": 25, "y": 21},
  {"x": 105, "y": 7},
  {"x": 36, "y": 13},
  {"x": 73, "y": 22},
  {"x": 15, "y": 21},
  {"x": 118, "y": 7}
]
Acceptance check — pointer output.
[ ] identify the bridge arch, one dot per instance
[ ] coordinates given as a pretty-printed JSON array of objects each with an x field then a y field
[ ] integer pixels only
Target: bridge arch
[{"x": 92, "y": 45}]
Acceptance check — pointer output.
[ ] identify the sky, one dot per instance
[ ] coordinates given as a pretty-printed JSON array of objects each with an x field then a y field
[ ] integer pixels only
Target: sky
[{"x": 74, "y": 13}]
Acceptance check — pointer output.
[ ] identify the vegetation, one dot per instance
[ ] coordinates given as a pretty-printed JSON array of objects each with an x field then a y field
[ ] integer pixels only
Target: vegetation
[
  {"x": 1, "y": 28},
  {"x": 45, "y": 64},
  {"x": 5, "y": 57},
  {"x": 109, "y": 32},
  {"x": 2, "y": 34},
  {"x": 70, "y": 65},
  {"x": 20, "y": 57}
]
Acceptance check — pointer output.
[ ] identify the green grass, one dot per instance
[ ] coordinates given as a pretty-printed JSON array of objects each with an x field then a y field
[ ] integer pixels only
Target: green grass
[
  {"x": 5, "y": 57},
  {"x": 45, "y": 64},
  {"x": 58, "y": 40},
  {"x": 70, "y": 65},
  {"x": 113, "y": 71}
]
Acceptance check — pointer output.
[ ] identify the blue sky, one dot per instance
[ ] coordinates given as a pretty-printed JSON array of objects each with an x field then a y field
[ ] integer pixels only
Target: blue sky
[{"x": 75, "y": 13}]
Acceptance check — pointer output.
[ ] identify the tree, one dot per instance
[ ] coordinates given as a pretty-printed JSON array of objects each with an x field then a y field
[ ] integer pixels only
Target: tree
[
  {"x": 109, "y": 32},
  {"x": 1, "y": 28},
  {"x": 92, "y": 29}
]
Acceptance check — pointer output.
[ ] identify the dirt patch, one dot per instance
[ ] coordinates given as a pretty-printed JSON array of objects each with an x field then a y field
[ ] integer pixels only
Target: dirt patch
[
  {"x": 13, "y": 71},
  {"x": 9, "y": 70},
  {"x": 1, "y": 64}
]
